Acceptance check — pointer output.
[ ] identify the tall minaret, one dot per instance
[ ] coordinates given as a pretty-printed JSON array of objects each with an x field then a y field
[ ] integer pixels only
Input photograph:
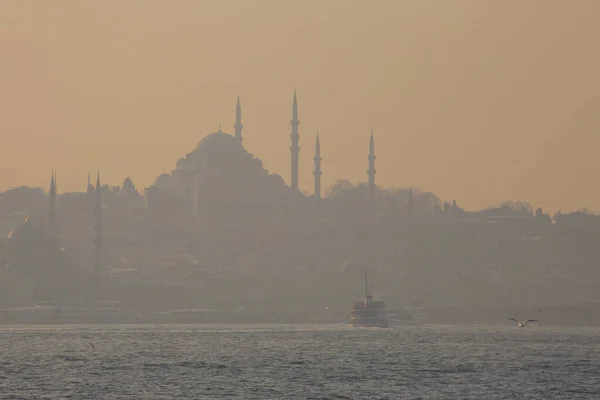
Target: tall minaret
[
  {"x": 90, "y": 188},
  {"x": 295, "y": 149},
  {"x": 52, "y": 211},
  {"x": 238, "y": 120},
  {"x": 97, "y": 230},
  {"x": 371, "y": 172},
  {"x": 317, "y": 172}
]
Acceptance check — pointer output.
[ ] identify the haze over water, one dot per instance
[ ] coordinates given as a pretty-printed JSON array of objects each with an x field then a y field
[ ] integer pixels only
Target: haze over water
[
  {"x": 298, "y": 362},
  {"x": 473, "y": 105}
]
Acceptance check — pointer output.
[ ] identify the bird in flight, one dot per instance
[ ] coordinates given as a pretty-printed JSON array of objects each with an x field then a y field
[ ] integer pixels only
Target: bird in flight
[{"x": 521, "y": 324}]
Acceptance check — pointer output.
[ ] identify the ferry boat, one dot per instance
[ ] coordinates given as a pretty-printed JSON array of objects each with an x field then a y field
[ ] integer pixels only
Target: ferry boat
[{"x": 368, "y": 313}]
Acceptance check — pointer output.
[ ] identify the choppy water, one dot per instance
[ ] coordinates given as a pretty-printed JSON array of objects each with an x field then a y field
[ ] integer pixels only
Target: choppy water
[{"x": 298, "y": 362}]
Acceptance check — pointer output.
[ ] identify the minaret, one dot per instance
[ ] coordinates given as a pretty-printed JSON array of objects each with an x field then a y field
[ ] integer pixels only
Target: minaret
[
  {"x": 371, "y": 172},
  {"x": 317, "y": 172},
  {"x": 295, "y": 149},
  {"x": 90, "y": 188},
  {"x": 238, "y": 120},
  {"x": 52, "y": 211},
  {"x": 97, "y": 230}
]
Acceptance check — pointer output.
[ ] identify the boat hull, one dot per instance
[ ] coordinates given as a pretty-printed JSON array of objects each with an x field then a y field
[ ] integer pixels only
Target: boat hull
[
  {"x": 362, "y": 325},
  {"x": 369, "y": 322}
]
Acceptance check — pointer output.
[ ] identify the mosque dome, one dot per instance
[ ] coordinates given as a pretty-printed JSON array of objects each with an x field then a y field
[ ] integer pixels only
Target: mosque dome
[
  {"x": 219, "y": 142},
  {"x": 163, "y": 181},
  {"x": 276, "y": 180}
]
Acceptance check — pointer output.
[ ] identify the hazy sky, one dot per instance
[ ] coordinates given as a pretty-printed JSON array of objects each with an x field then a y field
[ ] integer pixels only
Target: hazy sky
[{"x": 478, "y": 101}]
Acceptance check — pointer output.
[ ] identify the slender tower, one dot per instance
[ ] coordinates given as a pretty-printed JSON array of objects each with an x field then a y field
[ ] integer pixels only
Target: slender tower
[
  {"x": 295, "y": 149},
  {"x": 317, "y": 172},
  {"x": 52, "y": 211},
  {"x": 90, "y": 188},
  {"x": 97, "y": 231},
  {"x": 371, "y": 171},
  {"x": 238, "y": 120}
]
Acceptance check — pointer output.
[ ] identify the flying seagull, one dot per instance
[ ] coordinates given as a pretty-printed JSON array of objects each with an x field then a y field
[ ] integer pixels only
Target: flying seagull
[
  {"x": 90, "y": 343},
  {"x": 521, "y": 324}
]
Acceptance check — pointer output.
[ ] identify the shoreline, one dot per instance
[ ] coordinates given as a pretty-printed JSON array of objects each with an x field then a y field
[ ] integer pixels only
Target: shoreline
[{"x": 557, "y": 315}]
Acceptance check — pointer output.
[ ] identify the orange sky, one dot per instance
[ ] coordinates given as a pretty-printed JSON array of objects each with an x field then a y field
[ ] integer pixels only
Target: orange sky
[{"x": 478, "y": 101}]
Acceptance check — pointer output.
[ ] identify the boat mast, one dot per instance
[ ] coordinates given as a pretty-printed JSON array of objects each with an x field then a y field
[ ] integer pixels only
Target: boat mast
[{"x": 366, "y": 286}]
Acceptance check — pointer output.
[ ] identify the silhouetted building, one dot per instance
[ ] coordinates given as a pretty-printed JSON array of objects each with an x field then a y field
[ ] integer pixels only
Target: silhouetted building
[
  {"x": 238, "y": 120},
  {"x": 37, "y": 268},
  {"x": 294, "y": 148},
  {"x": 220, "y": 221},
  {"x": 90, "y": 188},
  {"x": 371, "y": 172},
  {"x": 219, "y": 182}
]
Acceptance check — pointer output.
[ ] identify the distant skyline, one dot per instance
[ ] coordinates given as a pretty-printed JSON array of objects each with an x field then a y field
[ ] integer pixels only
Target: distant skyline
[{"x": 481, "y": 102}]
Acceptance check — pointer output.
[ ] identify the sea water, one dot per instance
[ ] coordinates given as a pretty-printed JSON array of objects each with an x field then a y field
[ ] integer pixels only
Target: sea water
[{"x": 298, "y": 362}]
